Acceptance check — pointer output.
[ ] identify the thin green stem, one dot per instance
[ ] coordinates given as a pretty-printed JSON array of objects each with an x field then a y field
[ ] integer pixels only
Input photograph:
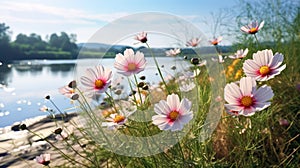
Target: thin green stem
[
  {"x": 218, "y": 50},
  {"x": 74, "y": 149},
  {"x": 61, "y": 152},
  {"x": 257, "y": 42},
  {"x": 131, "y": 88},
  {"x": 62, "y": 114},
  {"x": 157, "y": 66},
  {"x": 180, "y": 148},
  {"x": 98, "y": 125},
  {"x": 111, "y": 100}
]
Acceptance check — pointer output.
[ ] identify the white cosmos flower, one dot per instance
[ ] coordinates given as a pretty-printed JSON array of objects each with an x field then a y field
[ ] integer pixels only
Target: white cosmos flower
[
  {"x": 264, "y": 65},
  {"x": 172, "y": 114},
  {"x": 130, "y": 63},
  {"x": 216, "y": 41},
  {"x": 239, "y": 54},
  {"x": 246, "y": 99},
  {"x": 173, "y": 52},
  {"x": 187, "y": 86},
  {"x": 97, "y": 79},
  {"x": 142, "y": 37},
  {"x": 43, "y": 159},
  {"x": 116, "y": 120},
  {"x": 193, "y": 42},
  {"x": 252, "y": 27}
]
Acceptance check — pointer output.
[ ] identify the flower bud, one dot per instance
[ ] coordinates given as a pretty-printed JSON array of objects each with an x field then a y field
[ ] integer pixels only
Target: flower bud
[
  {"x": 73, "y": 84},
  {"x": 58, "y": 131},
  {"x": 195, "y": 61}
]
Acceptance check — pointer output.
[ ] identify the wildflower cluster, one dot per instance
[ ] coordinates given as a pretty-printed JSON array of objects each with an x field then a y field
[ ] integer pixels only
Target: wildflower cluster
[{"x": 112, "y": 110}]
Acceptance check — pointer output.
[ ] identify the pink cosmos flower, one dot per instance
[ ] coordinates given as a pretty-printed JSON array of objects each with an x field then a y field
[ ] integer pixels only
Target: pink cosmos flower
[
  {"x": 97, "y": 79},
  {"x": 246, "y": 99},
  {"x": 253, "y": 27},
  {"x": 43, "y": 159},
  {"x": 284, "y": 122},
  {"x": 142, "y": 37},
  {"x": 239, "y": 54},
  {"x": 193, "y": 42},
  {"x": 173, "y": 52},
  {"x": 67, "y": 91},
  {"x": 130, "y": 63},
  {"x": 44, "y": 108},
  {"x": 264, "y": 65},
  {"x": 187, "y": 86},
  {"x": 114, "y": 121},
  {"x": 216, "y": 41},
  {"x": 172, "y": 114}
]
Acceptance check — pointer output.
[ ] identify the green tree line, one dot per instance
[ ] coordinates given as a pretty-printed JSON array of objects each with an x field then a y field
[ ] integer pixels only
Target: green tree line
[{"x": 32, "y": 46}]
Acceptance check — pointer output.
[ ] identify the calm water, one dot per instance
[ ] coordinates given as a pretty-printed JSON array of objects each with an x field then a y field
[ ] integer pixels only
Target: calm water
[{"x": 25, "y": 84}]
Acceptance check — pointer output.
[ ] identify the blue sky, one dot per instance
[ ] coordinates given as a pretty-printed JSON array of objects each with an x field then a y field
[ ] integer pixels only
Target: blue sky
[{"x": 85, "y": 17}]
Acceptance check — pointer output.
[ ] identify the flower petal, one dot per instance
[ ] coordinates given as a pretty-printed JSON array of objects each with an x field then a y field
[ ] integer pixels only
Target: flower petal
[
  {"x": 173, "y": 102},
  {"x": 162, "y": 108},
  {"x": 232, "y": 93},
  {"x": 263, "y": 94},
  {"x": 185, "y": 106}
]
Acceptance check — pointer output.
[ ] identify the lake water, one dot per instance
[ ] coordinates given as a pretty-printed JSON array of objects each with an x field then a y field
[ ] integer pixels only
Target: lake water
[{"x": 23, "y": 85}]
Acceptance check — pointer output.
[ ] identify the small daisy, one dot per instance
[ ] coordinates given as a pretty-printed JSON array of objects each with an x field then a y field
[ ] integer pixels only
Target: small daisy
[
  {"x": 44, "y": 108},
  {"x": 142, "y": 37},
  {"x": 193, "y": 42},
  {"x": 187, "y": 86},
  {"x": 264, "y": 65},
  {"x": 172, "y": 114},
  {"x": 246, "y": 99},
  {"x": 43, "y": 159},
  {"x": 116, "y": 120},
  {"x": 216, "y": 41},
  {"x": 173, "y": 52},
  {"x": 130, "y": 63},
  {"x": 67, "y": 91},
  {"x": 97, "y": 79},
  {"x": 139, "y": 98},
  {"x": 239, "y": 54},
  {"x": 252, "y": 28}
]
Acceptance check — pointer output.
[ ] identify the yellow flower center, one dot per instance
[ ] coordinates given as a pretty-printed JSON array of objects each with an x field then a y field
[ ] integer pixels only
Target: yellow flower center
[
  {"x": 215, "y": 42},
  {"x": 246, "y": 101},
  {"x": 253, "y": 30},
  {"x": 119, "y": 118},
  {"x": 264, "y": 70},
  {"x": 99, "y": 84},
  {"x": 131, "y": 67},
  {"x": 72, "y": 91},
  {"x": 173, "y": 115}
]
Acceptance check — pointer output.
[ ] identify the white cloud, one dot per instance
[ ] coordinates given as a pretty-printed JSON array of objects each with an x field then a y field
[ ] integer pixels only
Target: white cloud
[{"x": 69, "y": 15}]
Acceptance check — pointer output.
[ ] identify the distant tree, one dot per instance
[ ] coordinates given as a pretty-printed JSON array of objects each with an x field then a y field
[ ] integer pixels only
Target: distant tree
[
  {"x": 63, "y": 42},
  {"x": 21, "y": 39},
  {"x": 33, "y": 41},
  {"x": 5, "y": 49},
  {"x": 54, "y": 41}
]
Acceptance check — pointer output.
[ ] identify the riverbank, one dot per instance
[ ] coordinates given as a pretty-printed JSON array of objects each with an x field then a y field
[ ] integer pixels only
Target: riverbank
[{"x": 18, "y": 148}]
